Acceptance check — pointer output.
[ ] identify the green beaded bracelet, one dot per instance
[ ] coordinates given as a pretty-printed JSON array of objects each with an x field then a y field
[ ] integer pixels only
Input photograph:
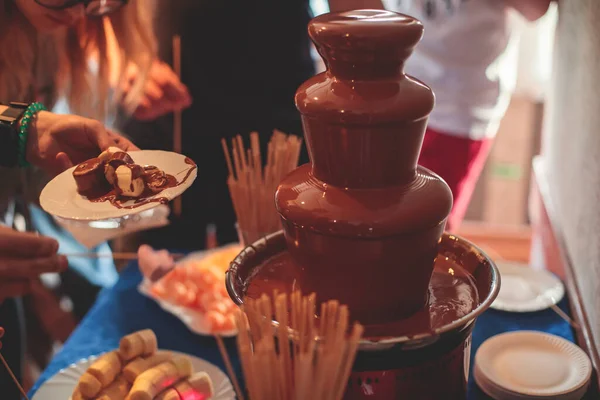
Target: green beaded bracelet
[{"x": 28, "y": 115}]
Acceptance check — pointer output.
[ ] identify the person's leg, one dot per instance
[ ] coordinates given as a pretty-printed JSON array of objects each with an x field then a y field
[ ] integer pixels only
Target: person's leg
[
  {"x": 459, "y": 161},
  {"x": 12, "y": 347}
]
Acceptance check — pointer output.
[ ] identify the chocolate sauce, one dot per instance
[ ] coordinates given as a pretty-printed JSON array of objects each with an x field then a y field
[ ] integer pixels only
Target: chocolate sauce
[
  {"x": 452, "y": 295},
  {"x": 151, "y": 178},
  {"x": 119, "y": 158},
  {"x": 362, "y": 219}
]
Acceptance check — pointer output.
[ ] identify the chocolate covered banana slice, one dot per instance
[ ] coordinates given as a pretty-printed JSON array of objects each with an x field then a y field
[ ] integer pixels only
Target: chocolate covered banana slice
[
  {"x": 155, "y": 178},
  {"x": 115, "y": 161},
  {"x": 107, "y": 154},
  {"x": 89, "y": 177},
  {"x": 129, "y": 180}
]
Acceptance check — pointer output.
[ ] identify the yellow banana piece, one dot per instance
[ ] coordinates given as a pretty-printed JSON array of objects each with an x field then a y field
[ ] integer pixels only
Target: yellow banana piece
[
  {"x": 89, "y": 385},
  {"x": 183, "y": 365},
  {"x": 150, "y": 342},
  {"x": 199, "y": 382},
  {"x": 142, "y": 343},
  {"x": 169, "y": 394},
  {"x": 106, "y": 368},
  {"x": 76, "y": 395},
  {"x": 141, "y": 364},
  {"x": 117, "y": 390},
  {"x": 153, "y": 381}
]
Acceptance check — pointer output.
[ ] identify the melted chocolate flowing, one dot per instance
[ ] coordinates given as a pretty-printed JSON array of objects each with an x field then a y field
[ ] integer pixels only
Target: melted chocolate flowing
[{"x": 452, "y": 295}]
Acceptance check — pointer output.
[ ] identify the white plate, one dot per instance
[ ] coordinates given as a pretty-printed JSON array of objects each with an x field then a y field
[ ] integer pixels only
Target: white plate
[
  {"x": 194, "y": 320},
  {"x": 525, "y": 289},
  {"x": 499, "y": 393},
  {"x": 531, "y": 363},
  {"x": 60, "y": 197},
  {"x": 61, "y": 385}
]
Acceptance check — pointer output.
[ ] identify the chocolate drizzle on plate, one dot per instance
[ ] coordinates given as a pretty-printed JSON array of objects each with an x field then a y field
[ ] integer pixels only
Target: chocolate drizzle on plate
[{"x": 93, "y": 184}]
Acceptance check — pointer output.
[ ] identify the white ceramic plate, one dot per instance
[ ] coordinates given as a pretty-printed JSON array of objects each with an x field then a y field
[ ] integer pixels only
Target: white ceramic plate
[
  {"x": 194, "y": 320},
  {"x": 61, "y": 385},
  {"x": 60, "y": 197},
  {"x": 524, "y": 289},
  {"x": 524, "y": 364}
]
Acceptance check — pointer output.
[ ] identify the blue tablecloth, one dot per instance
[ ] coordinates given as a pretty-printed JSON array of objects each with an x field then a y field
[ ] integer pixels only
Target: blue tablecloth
[{"x": 121, "y": 310}]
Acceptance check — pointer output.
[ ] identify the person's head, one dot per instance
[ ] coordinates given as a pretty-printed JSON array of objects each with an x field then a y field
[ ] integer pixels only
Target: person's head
[{"x": 73, "y": 43}]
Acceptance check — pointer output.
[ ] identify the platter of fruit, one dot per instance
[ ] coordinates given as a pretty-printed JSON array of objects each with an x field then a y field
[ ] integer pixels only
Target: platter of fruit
[
  {"x": 193, "y": 289},
  {"x": 138, "y": 370}
]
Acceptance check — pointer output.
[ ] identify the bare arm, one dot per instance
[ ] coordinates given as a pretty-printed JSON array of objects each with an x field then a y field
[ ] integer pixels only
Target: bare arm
[
  {"x": 530, "y": 9},
  {"x": 345, "y": 5}
]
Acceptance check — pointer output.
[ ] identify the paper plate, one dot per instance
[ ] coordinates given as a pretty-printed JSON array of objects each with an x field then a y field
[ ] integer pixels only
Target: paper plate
[
  {"x": 60, "y": 197},
  {"x": 525, "y": 289},
  {"x": 61, "y": 385},
  {"x": 527, "y": 364}
]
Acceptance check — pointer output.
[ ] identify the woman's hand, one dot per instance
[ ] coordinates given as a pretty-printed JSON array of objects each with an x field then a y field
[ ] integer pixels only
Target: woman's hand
[
  {"x": 163, "y": 92},
  {"x": 56, "y": 142},
  {"x": 23, "y": 257}
]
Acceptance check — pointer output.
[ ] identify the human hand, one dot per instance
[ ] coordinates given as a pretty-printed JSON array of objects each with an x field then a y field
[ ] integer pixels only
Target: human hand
[
  {"x": 154, "y": 264},
  {"x": 163, "y": 92},
  {"x": 56, "y": 141},
  {"x": 23, "y": 258}
]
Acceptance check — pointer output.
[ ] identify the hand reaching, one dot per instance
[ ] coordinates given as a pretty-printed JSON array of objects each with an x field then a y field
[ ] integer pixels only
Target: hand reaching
[
  {"x": 56, "y": 141},
  {"x": 163, "y": 93},
  {"x": 23, "y": 257}
]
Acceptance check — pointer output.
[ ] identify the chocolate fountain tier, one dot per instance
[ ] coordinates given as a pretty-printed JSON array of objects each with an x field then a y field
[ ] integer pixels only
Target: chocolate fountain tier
[
  {"x": 363, "y": 118},
  {"x": 370, "y": 249}
]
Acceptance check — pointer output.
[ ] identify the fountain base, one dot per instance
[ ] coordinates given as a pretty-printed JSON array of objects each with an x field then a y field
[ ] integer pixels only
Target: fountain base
[{"x": 424, "y": 356}]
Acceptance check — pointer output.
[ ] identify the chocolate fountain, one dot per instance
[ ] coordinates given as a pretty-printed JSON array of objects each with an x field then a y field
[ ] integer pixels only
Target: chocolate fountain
[{"x": 363, "y": 224}]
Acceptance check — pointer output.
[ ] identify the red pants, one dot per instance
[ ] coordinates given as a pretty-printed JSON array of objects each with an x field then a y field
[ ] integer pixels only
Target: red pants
[{"x": 459, "y": 161}]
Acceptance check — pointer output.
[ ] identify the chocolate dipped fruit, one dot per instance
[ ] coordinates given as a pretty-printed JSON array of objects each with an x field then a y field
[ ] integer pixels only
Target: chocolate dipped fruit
[
  {"x": 89, "y": 178},
  {"x": 115, "y": 161}
]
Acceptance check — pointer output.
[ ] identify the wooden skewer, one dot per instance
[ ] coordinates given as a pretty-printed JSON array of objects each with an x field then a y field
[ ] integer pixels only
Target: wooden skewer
[
  {"x": 116, "y": 256},
  {"x": 229, "y": 367},
  {"x": 177, "y": 206},
  {"x": 252, "y": 186},
  {"x": 311, "y": 371},
  {"x": 13, "y": 377}
]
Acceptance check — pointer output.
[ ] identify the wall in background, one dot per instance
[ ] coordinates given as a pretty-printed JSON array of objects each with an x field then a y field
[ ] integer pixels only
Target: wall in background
[{"x": 571, "y": 143}]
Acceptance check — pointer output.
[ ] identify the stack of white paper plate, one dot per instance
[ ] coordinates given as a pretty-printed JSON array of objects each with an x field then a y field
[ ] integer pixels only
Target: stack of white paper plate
[{"x": 531, "y": 365}]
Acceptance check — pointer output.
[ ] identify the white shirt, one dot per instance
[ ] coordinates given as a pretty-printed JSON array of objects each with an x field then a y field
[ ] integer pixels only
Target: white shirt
[{"x": 465, "y": 57}]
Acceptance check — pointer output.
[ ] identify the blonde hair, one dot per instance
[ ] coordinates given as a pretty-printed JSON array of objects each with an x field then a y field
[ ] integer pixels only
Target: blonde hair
[{"x": 29, "y": 59}]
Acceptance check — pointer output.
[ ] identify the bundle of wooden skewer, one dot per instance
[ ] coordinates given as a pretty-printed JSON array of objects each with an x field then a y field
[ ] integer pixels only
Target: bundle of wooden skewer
[
  {"x": 305, "y": 357},
  {"x": 252, "y": 186}
]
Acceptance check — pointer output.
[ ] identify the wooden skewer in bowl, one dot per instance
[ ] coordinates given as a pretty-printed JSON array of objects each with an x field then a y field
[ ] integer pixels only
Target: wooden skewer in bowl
[
  {"x": 317, "y": 363},
  {"x": 252, "y": 186}
]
